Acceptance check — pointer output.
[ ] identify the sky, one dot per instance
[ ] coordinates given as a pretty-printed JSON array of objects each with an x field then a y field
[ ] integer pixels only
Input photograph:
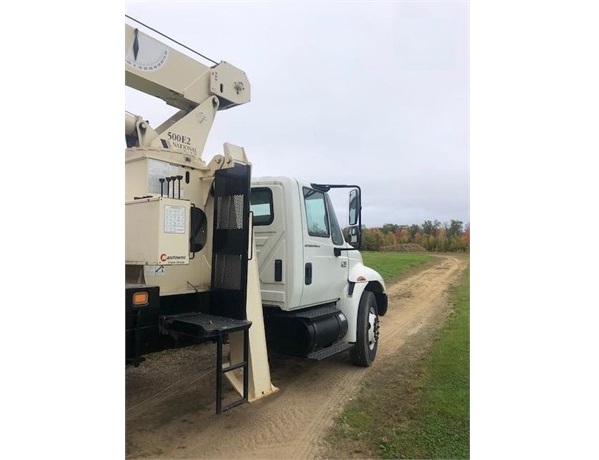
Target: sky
[{"x": 367, "y": 93}]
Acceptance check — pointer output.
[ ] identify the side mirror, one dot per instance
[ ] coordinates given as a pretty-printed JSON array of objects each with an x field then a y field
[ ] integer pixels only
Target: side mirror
[
  {"x": 355, "y": 218},
  {"x": 354, "y": 206},
  {"x": 354, "y": 236}
]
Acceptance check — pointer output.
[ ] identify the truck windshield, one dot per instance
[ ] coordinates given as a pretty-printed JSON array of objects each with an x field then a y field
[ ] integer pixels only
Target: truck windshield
[{"x": 336, "y": 232}]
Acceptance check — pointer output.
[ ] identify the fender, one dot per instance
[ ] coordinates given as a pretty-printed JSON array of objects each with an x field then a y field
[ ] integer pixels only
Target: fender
[
  {"x": 360, "y": 279},
  {"x": 360, "y": 274}
]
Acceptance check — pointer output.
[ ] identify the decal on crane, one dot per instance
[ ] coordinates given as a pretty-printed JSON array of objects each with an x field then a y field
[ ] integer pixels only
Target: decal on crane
[{"x": 146, "y": 53}]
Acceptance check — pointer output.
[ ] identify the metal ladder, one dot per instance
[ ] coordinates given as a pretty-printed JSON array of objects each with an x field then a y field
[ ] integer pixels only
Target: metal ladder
[{"x": 205, "y": 327}]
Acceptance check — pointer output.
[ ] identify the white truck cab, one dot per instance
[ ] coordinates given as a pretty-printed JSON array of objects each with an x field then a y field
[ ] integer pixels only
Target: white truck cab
[{"x": 313, "y": 282}]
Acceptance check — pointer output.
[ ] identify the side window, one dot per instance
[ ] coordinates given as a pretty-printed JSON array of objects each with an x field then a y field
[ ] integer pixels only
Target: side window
[
  {"x": 261, "y": 206},
  {"x": 316, "y": 213}
]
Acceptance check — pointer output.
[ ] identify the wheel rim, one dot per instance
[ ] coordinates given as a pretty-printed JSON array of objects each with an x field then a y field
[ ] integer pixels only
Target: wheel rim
[{"x": 373, "y": 332}]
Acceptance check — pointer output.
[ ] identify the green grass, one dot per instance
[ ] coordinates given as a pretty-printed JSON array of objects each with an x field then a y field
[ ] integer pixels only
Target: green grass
[
  {"x": 418, "y": 406},
  {"x": 393, "y": 265},
  {"x": 440, "y": 427}
]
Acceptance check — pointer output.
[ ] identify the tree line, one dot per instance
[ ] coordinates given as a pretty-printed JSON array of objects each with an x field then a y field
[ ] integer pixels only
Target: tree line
[{"x": 431, "y": 236}]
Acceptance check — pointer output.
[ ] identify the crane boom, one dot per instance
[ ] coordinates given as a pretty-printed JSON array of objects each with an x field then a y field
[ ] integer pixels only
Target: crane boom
[{"x": 181, "y": 81}]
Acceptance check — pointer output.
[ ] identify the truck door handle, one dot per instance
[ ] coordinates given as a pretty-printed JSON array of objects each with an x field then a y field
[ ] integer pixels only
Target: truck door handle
[{"x": 308, "y": 273}]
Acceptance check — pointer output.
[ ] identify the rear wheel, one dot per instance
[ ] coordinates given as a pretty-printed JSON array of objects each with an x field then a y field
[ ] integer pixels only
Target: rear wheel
[{"x": 367, "y": 334}]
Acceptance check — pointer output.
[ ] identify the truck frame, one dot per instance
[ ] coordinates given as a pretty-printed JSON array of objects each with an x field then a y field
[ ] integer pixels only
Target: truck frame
[{"x": 212, "y": 254}]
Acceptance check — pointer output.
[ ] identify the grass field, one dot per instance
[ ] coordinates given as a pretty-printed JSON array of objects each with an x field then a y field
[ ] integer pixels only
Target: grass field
[
  {"x": 393, "y": 265},
  {"x": 419, "y": 409}
]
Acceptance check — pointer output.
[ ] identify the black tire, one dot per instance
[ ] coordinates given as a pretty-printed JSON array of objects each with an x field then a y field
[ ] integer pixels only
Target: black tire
[{"x": 367, "y": 334}]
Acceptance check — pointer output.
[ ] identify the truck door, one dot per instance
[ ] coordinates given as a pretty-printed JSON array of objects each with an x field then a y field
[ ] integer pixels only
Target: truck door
[{"x": 325, "y": 275}]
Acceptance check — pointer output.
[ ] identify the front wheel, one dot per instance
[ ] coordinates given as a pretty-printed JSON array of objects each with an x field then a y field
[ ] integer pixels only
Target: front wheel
[{"x": 367, "y": 334}]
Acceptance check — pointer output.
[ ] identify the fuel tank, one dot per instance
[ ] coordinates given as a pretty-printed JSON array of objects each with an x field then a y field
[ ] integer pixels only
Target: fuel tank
[{"x": 303, "y": 332}]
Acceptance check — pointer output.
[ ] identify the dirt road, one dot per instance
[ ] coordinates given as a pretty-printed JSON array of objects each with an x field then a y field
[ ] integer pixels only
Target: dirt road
[{"x": 170, "y": 397}]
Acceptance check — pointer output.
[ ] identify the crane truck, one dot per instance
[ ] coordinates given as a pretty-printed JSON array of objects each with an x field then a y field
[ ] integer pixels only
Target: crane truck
[{"x": 212, "y": 254}]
